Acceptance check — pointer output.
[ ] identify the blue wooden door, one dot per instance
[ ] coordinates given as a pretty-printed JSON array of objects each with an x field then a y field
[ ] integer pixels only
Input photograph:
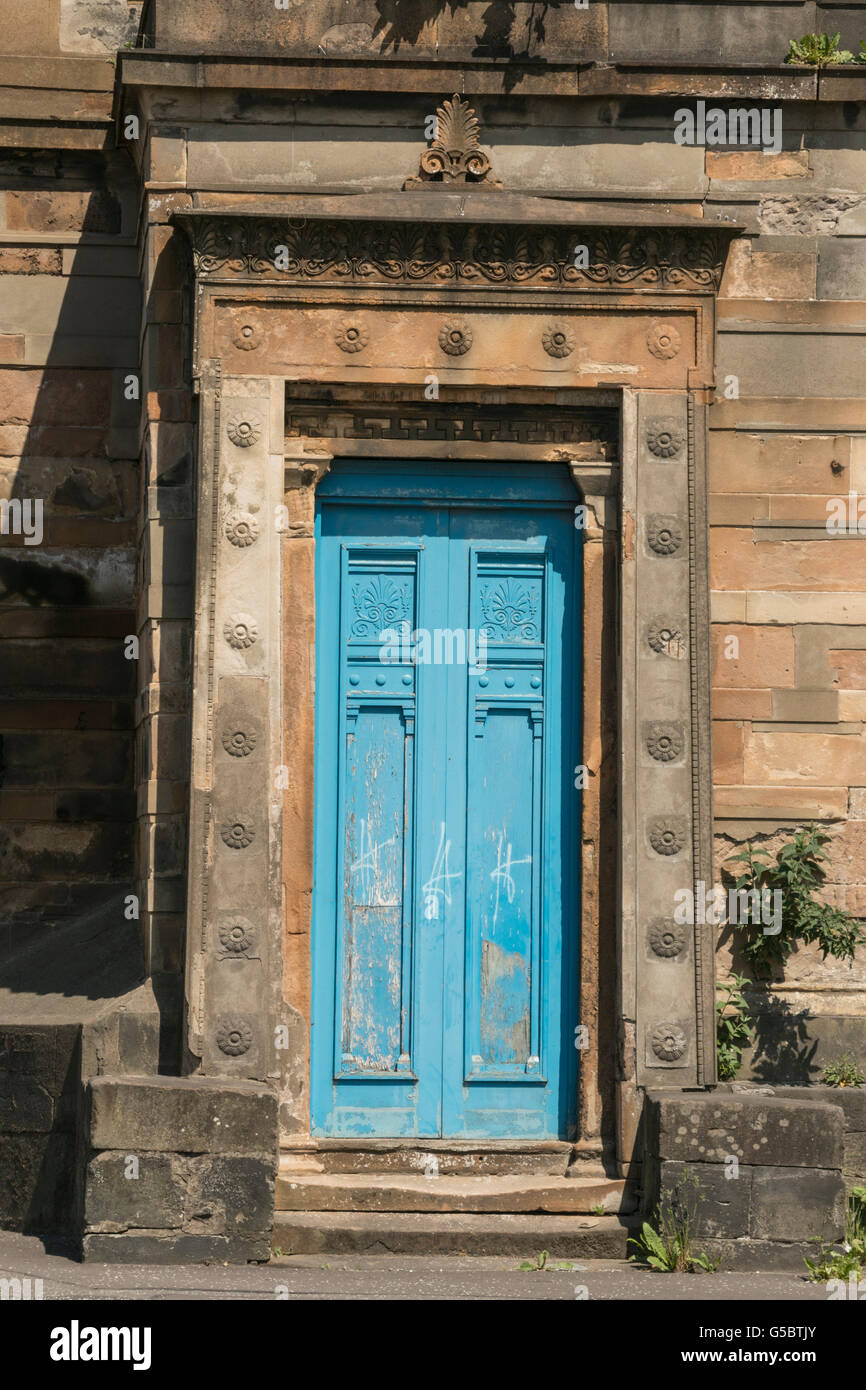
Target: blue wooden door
[{"x": 445, "y": 900}]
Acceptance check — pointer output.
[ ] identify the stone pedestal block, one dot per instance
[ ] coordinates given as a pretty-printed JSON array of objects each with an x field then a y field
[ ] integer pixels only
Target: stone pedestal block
[{"x": 180, "y": 1169}]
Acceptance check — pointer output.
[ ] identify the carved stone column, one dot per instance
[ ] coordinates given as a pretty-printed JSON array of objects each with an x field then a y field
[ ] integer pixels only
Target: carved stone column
[
  {"x": 235, "y": 842},
  {"x": 665, "y": 811},
  {"x": 302, "y": 475}
]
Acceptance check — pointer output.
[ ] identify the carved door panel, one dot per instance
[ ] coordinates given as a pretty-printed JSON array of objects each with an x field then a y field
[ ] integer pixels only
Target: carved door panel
[{"x": 447, "y": 827}]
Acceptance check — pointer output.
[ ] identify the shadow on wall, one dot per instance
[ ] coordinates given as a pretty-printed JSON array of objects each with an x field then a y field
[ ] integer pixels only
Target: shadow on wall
[
  {"x": 504, "y": 34},
  {"x": 784, "y": 1048},
  {"x": 70, "y": 944}
]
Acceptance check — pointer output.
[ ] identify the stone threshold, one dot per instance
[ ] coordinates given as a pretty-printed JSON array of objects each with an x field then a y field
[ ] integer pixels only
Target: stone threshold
[{"x": 428, "y": 1191}]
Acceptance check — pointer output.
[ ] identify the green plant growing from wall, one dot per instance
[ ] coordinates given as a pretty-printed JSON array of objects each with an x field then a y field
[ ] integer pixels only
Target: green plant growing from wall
[
  {"x": 818, "y": 51},
  {"x": 669, "y": 1244},
  {"x": 833, "y": 1263},
  {"x": 843, "y": 1072},
  {"x": 733, "y": 1025},
  {"x": 797, "y": 873}
]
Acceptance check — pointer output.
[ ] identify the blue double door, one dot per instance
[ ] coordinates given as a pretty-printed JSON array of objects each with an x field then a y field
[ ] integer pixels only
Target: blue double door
[{"x": 445, "y": 898}]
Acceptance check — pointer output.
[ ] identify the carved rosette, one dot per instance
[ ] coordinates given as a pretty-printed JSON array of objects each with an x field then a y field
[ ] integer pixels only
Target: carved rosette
[
  {"x": 236, "y": 835},
  {"x": 237, "y": 938},
  {"x": 350, "y": 336},
  {"x": 234, "y": 1035},
  {"x": 558, "y": 340},
  {"x": 668, "y": 1042},
  {"x": 663, "y": 340},
  {"x": 238, "y": 743},
  {"x": 666, "y": 638},
  {"x": 244, "y": 430},
  {"x": 455, "y": 338},
  {"x": 664, "y": 535},
  {"x": 240, "y": 631},
  {"x": 665, "y": 742},
  {"x": 667, "y": 837},
  {"x": 667, "y": 939},
  {"x": 242, "y": 529},
  {"x": 664, "y": 438},
  {"x": 247, "y": 338}
]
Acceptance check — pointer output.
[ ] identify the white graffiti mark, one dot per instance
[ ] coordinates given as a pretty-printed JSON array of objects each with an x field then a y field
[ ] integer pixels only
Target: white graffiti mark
[
  {"x": 438, "y": 884},
  {"x": 502, "y": 873},
  {"x": 367, "y": 862}
]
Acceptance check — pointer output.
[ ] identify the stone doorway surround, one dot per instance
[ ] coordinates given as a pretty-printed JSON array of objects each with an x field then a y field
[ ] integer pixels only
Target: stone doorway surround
[{"x": 483, "y": 292}]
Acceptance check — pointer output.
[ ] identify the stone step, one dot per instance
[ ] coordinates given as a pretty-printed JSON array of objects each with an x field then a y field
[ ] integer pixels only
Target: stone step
[
  {"x": 449, "y": 1233},
  {"x": 444, "y": 1156},
  {"x": 333, "y": 1192}
]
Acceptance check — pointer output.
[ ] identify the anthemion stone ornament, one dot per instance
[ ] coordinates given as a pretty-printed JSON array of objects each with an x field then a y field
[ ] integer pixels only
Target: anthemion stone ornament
[
  {"x": 455, "y": 338},
  {"x": 667, "y": 939},
  {"x": 664, "y": 535},
  {"x": 668, "y": 1041},
  {"x": 558, "y": 340},
  {"x": 351, "y": 337},
  {"x": 455, "y": 154},
  {"x": 244, "y": 431},
  {"x": 663, "y": 340},
  {"x": 666, "y": 638},
  {"x": 666, "y": 837},
  {"x": 240, "y": 631},
  {"x": 237, "y": 835},
  {"x": 238, "y": 743},
  {"x": 234, "y": 1035},
  {"x": 242, "y": 529},
  {"x": 665, "y": 742},
  {"x": 664, "y": 438}
]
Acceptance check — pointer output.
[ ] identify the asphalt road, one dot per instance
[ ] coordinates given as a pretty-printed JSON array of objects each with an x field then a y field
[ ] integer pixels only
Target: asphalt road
[{"x": 377, "y": 1277}]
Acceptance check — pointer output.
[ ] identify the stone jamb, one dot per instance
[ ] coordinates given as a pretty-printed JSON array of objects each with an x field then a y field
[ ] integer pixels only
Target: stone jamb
[{"x": 643, "y": 1007}]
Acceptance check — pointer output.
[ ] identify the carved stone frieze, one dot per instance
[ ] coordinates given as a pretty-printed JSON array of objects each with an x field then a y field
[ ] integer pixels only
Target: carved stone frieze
[{"x": 333, "y": 251}]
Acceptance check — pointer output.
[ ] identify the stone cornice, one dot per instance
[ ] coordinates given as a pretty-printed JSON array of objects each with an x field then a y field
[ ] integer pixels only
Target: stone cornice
[{"x": 329, "y": 251}]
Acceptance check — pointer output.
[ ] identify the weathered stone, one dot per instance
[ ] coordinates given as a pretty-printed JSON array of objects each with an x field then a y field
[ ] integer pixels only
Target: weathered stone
[
  {"x": 754, "y": 1129},
  {"x": 183, "y": 1115},
  {"x": 175, "y": 1247},
  {"x": 133, "y": 1191},
  {"x": 792, "y": 1204},
  {"x": 720, "y": 1203}
]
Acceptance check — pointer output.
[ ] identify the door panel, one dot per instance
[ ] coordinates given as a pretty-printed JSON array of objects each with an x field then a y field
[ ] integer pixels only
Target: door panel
[{"x": 444, "y": 969}]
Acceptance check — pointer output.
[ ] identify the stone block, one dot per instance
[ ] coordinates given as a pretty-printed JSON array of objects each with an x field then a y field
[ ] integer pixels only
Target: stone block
[
  {"x": 775, "y": 364},
  {"x": 805, "y": 757},
  {"x": 851, "y": 1100},
  {"x": 721, "y": 1204},
  {"x": 757, "y": 1129},
  {"x": 134, "y": 1190},
  {"x": 806, "y": 706},
  {"x": 175, "y": 1247},
  {"x": 792, "y": 1204},
  {"x": 850, "y": 669},
  {"x": 842, "y": 268},
  {"x": 183, "y": 1115},
  {"x": 782, "y": 463},
  {"x": 63, "y": 210},
  {"x": 36, "y": 1182},
  {"x": 855, "y": 1160},
  {"x": 746, "y": 165},
  {"x": 727, "y": 752},
  {"x": 240, "y": 1192}
]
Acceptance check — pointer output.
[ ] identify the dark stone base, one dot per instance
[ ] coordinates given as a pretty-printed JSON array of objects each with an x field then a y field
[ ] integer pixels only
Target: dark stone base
[
  {"x": 181, "y": 1170},
  {"x": 174, "y": 1247}
]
